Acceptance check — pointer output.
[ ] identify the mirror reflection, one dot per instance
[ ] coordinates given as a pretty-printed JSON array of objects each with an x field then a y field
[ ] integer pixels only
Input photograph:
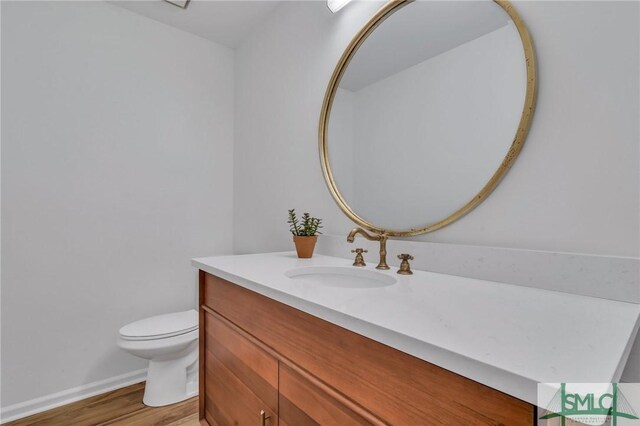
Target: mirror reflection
[{"x": 426, "y": 112}]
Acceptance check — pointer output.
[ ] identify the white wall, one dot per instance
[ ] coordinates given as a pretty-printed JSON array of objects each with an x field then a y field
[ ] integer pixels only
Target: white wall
[
  {"x": 281, "y": 76},
  {"x": 575, "y": 186},
  {"x": 117, "y": 151}
]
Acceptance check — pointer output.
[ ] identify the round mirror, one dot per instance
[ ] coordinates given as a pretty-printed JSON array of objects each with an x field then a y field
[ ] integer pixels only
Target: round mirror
[{"x": 425, "y": 112}]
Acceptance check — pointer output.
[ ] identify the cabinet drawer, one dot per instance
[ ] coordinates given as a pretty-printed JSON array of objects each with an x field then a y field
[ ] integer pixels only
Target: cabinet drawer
[
  {"x": 240, "y": 378},
  {"x": 304, "y": 404}
]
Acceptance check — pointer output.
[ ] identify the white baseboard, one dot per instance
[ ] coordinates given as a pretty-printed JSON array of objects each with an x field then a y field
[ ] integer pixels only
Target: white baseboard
[{"x": 47, "y": 402}]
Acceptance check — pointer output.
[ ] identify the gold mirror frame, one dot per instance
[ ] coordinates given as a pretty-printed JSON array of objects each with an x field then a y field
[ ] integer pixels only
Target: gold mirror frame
[{"x": 523, "y": 128}]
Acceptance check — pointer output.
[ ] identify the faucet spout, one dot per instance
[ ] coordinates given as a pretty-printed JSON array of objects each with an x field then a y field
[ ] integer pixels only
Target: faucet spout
[{"x": 378, "y": 237}]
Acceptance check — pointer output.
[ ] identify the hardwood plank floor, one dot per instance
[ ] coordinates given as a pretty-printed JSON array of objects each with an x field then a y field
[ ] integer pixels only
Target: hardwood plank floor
[{"x": 117, "y": 408}]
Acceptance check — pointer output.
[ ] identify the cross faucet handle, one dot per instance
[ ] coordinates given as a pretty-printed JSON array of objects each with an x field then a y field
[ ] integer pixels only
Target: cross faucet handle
[
  {"x": 405, "y": 268},
  {"x": 359, "y": 261}
]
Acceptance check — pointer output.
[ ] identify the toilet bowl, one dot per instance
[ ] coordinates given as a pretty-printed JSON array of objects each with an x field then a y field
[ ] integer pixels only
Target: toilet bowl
[{"x": 170, "y": 343}]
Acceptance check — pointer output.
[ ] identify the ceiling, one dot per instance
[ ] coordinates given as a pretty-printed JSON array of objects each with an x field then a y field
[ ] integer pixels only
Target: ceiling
[{"x": 225, "y": 22}]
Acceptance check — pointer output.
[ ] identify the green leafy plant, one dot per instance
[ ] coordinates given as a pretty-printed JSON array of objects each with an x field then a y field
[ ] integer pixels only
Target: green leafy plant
[{"x": 306, "y": 227}]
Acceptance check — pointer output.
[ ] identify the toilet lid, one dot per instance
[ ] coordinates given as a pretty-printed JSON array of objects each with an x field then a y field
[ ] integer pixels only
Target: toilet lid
[{"x": 161, "y": 326}]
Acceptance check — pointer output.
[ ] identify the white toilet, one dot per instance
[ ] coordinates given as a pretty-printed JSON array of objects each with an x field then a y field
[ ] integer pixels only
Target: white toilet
[{"x": 170, "y": 343}]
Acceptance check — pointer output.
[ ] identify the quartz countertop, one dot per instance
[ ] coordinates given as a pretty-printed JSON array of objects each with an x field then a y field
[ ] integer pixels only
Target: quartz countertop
[{"x": 504, "y": 336}]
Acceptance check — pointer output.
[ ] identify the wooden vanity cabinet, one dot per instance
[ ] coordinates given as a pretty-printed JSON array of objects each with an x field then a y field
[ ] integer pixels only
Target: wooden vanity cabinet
[
  {"x": 303, "y": 403},
  {"x": 240, "y": 378},
  {"x": 258, "y": 354}
]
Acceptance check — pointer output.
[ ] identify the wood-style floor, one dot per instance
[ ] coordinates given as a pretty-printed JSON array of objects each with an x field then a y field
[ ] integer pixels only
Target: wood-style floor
[{"x": 120, "y": 407}]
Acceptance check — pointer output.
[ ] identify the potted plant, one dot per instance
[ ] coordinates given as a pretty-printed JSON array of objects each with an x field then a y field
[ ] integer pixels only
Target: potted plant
[{"x": 305, "y": 233}]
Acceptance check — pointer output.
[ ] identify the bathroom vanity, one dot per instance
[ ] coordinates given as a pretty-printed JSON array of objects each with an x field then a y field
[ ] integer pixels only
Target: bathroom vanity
[{"x": 295, "y": 342}]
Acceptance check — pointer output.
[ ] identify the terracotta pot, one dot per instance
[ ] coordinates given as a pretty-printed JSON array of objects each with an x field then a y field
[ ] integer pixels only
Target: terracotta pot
[{"x": 305, "y": 246}]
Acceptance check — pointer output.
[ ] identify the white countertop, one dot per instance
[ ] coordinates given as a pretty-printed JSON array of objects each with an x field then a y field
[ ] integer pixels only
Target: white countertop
[{"x": 504, "y": 336}]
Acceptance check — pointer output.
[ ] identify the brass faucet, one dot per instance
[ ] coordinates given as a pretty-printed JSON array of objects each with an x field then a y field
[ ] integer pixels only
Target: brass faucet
[
  {"x": 378, "y": 237},
  {"x": 359, "y": 259},
  {"x": 405, "y": 268}
]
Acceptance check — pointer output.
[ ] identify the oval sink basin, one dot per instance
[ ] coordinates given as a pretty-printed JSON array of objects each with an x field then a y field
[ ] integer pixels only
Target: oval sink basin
[{"x": 337, "y": 276}]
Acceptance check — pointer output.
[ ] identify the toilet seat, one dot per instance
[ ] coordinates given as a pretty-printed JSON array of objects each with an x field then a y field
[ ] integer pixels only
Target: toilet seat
[{"x": 161, "y": 326}]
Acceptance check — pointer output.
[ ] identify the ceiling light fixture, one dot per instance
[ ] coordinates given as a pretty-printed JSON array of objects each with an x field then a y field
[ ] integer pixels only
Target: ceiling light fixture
[
  {"x": 180, "y": 3},
  {"x": 336, "y": 5}
]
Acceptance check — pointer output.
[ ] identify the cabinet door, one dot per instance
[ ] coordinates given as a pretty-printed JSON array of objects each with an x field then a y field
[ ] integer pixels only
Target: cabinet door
[
  {"x": 303, "y": 403},
  {"x": 241, "y": 379}
]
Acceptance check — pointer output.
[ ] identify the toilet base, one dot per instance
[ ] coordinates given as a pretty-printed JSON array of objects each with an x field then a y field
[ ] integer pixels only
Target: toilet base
[{"x": 172, "y": 380}]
